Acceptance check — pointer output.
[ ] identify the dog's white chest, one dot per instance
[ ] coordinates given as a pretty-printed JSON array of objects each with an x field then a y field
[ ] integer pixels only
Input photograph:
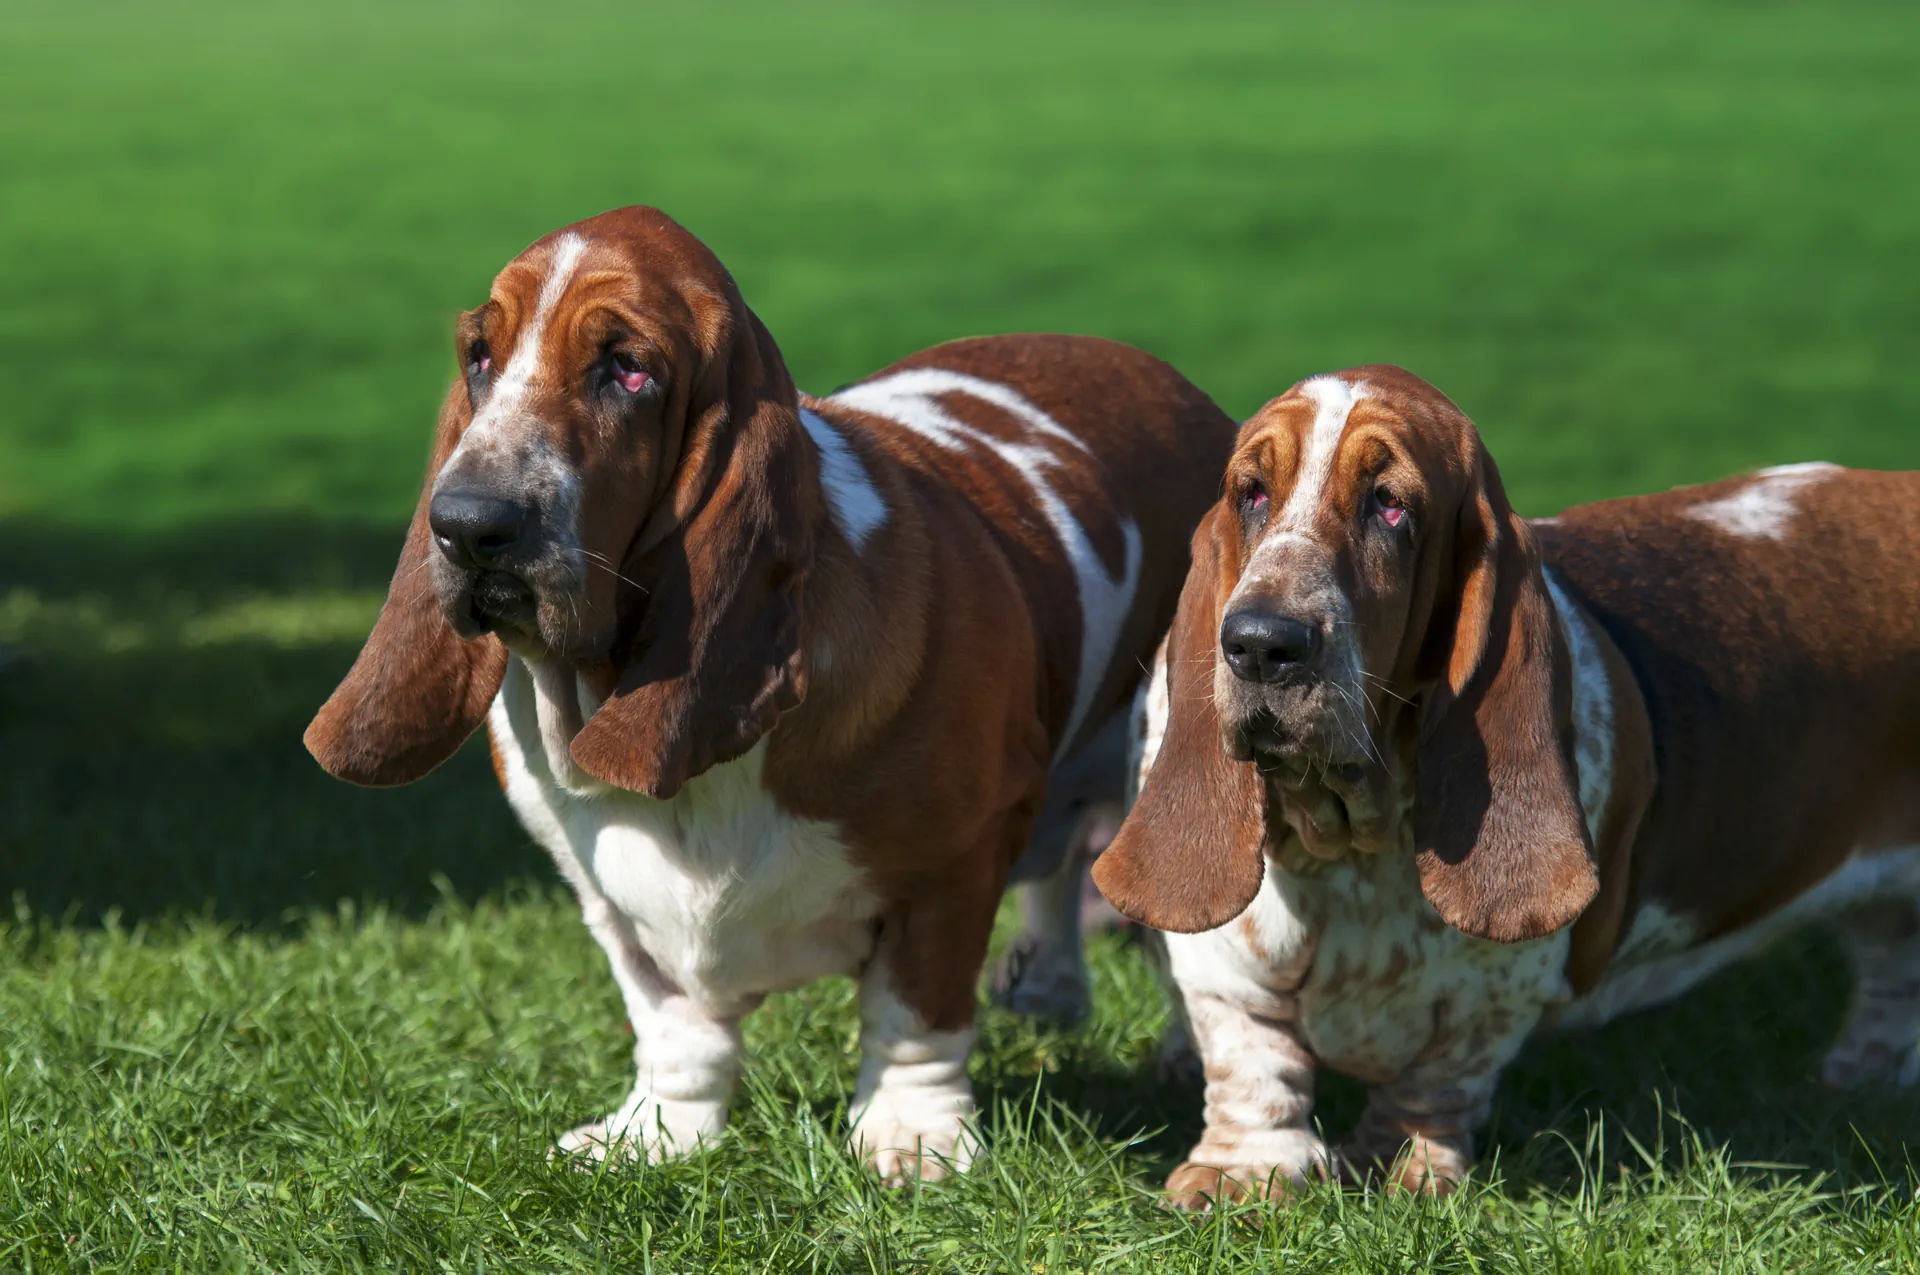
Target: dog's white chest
[
  {"x": 730, "y": 896},
  {"x": 1356, "y": 955}
]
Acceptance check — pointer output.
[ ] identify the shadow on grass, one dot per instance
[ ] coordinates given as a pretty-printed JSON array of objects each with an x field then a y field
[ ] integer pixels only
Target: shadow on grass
[
  {"x": 155, "y": 766},
  {"x": 1730, "y": 1069}
]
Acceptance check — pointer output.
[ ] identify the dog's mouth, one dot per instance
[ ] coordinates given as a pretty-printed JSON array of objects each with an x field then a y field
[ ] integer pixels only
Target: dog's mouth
[
  {"x": 1293, "y": 736},
  {"x": 496, "y": 602},
  {"x": 1338, "y": 793}
]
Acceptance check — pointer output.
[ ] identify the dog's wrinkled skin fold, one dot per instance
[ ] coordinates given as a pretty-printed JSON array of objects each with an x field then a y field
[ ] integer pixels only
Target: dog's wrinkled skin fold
[
  {"x": 1401, "y": 805},
  {"x": 780, "y": 681}
]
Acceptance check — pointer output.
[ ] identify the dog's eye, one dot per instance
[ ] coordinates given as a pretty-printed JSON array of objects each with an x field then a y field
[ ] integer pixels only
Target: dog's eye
[
  {"x": 627, "y": 371},
  {"x": 479, "y": 359},
  {"x": 1392, "y": 512},
  {"x": 1255, "y": 497}
]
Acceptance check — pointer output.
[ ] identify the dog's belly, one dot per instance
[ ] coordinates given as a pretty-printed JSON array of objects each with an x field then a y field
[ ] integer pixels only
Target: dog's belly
[
  {"x": 730, "y": 896},
  {"x": 1662, "y": 958}
]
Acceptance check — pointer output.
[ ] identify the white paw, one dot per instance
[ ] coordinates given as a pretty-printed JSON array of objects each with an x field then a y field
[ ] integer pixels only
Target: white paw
[
  {"x": 905, "y": 1142},
  {"x": 648, "y": 1130}
]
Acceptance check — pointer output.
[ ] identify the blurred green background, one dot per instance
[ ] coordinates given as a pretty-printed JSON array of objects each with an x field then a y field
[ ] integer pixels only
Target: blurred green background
[{"x": 1641, "y": 244}]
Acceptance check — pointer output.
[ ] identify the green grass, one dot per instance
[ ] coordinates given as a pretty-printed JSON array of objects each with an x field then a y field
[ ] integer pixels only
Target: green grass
[{"x": 252, "y": 1018}]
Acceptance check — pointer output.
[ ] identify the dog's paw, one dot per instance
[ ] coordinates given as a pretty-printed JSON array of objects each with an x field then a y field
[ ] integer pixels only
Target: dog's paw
[
  {"x": 1195, "y": 1187},
  {"x": 1040, "y": 981},
  {"x": 902, "y": 1149},
  {"x": 1421, "y": 1165},
  {"x": 648, "y": 1130},
  {"x": 1268, "y": 1164},
  {"x": 1854, "y": 1063}
]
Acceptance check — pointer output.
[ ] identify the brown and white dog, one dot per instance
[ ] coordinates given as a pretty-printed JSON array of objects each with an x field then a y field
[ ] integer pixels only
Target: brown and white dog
[
  {"x": 779, "y": 681},
  {"x": 1430, "y": 777}
]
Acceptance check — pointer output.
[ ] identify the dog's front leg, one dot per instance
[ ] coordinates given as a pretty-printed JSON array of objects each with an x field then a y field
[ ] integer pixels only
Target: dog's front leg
[
  {"x": 1259, "y": 1140},
  {"x": 1417, "y": 1129},
  {"x": 913, "y": 1105},
  {"x": 1419, "y": 1136},
  {"x": 686, "y": 1056}
]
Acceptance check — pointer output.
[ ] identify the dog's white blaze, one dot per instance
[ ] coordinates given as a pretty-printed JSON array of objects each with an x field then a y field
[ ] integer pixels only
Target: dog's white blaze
[
  {"x": 1592, "y": 709},
  {"x": 1335, "y": 399},
  {"x": 911, "y": 399},
  {"x": 857, "y": 505},
  {"x": 523, "y": 368},
  {"x": 1763, "y": 508}
]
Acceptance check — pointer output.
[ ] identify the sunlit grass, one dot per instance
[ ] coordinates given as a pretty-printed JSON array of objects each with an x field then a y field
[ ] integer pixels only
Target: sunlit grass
[{"x": 254, "y": 1019}]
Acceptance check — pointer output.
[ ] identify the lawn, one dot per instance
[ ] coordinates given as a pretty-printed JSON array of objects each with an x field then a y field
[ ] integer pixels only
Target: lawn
[{"x": 251, "y": 1018}]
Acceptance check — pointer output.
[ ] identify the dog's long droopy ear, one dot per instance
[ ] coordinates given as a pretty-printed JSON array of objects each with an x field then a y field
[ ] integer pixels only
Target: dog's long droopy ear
[
  {"x": 1190, "y": 855},
  {"x": 716, "y": 659},
  {"x": 418, "y": 690},
  {"x": 1503, "y": 849}
]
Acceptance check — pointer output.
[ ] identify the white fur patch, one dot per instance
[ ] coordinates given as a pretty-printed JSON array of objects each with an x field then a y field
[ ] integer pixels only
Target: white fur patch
[
  {"x": 1763, "y": 508},
  {"x": 1592, "y": 709},
  {"x": 912, "y": 1102},
  {"x": 912, "y": 399},
  {"x": 703, "y": 904},
  {"x": 1336, "y": 399},
  {"x": 858, "y": 508}
]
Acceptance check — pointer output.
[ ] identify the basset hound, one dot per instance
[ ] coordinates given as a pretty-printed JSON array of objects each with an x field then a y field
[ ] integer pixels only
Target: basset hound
[
  {"x": 778, "y": 680},
  {"x": 1426, "y": 777}
]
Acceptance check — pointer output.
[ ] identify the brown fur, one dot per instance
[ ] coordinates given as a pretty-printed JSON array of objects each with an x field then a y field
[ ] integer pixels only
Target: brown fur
[
  {"x": 914, "y": 692},
  {"x": 1467, "y": 636},
  {"x": 1760, "y": 668},
  {"x": 417, "y": 690}
]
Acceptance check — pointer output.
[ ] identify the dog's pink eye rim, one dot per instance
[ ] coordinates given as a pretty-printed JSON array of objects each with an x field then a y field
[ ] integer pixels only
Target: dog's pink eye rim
[
  {"x": 1393, "y": 514},
  {"x": 1257, "y": 499},
  {"x": 631, "y": 376}
]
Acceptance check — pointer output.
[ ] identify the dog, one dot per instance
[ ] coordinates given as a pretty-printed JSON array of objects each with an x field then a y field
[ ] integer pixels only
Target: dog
[
  {"x": 1421, "y": 778},
  {"x": 779, "y": 681}
]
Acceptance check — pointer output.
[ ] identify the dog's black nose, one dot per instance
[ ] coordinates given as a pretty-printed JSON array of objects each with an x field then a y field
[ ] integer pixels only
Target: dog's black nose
[
  {"x": 1262, "y": 647},
  {"x": 473, "y": 529}
]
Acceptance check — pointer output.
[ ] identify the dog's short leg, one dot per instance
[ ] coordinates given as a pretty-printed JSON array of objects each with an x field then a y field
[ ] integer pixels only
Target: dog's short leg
[
  {"x": 1259, "y": 1140},
  {"x": 1044, "y": 973},
  {"x": 1418, "y": 1137},
  {"x": 1179, "y": 1062},
  {"x": 913, "y": 1105},
  {"x": 1878, "y": 1042},
  {"x": 687, "y": 1059}
]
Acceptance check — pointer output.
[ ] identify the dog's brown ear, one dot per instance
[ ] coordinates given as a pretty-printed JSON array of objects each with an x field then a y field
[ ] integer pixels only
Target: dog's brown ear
[
  {"x": 418, "y": 689},
  {"x": 1503, "y": 848},
  {"x": 1191, "y": 854},
  {"x": 716, "y": 658}
]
